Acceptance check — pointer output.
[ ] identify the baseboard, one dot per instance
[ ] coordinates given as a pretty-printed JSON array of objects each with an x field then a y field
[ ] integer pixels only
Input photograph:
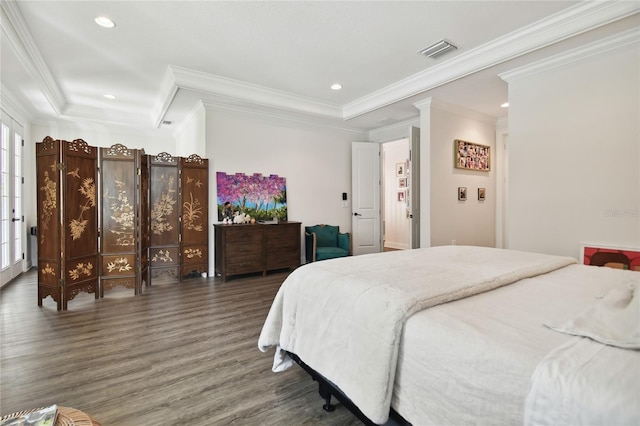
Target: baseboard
[{"x": 397, "y": 246}]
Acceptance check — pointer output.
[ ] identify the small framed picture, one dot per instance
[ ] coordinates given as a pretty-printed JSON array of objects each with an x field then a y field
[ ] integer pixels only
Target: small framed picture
[
  {"x": 462, "y": 193},
  {"x": 401, "y": 196},
  {"x": 402, "y": 182},
  {"x": 481, "y": 194},
  {"x": 400, "y": 169}
]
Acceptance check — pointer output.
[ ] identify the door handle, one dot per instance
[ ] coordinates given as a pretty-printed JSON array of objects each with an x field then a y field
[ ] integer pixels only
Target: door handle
[
  {"x": 15, "y": 220},
  {"x": 357, "y": 214}
]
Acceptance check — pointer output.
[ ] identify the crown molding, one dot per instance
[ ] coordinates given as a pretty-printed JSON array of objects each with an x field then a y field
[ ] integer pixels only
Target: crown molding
[
  {"x": 10, "y": 104},
  {"x": 423, "y": 104},
  {"x": 115, "y": 130},
  {"x": 184, "y": 78},
  {"x": 583, "y": 17},
  {"x": 168, "y": 91},
  {"x": 286, "y": 116},
  {"x": 393, "y": 131},
  {"x": 433, "y": 103},
  {"x": 613, "y": 42},
  {"x": 17, "y": 32},
  {"x": 100, "y": 115}
]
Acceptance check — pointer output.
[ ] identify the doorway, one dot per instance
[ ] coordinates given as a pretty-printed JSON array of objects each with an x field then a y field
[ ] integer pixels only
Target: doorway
[
  {"x": 373, "y": 189},
  {"x": 396, "y": 224},
  {"x": 11, "y": 214}
]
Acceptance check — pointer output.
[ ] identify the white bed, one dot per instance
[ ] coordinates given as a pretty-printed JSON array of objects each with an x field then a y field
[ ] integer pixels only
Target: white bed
[{"x": 465, "y": 358}]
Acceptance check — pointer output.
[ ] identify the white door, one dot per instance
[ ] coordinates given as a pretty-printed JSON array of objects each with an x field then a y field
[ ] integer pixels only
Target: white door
[
  {"x": 11, "y": 215},
  {"x": 365, "y": 190},
  {"x": 413, "y": 196}
]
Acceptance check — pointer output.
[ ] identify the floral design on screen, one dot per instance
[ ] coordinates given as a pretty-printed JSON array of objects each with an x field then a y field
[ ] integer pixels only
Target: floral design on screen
[
  {"x": 192, "y": 210},
  {"x": 162, "y": 256},
  {"x": 48, "y": 270},
  {"x": 81, "y": 269},
  {"x": 120, "y": 264},
  {"x": 123, "y": 215},
  {"x": 88, "y": 189},
  {"x": 191, "y": 253},
  {"x": 49, "y": 201},
  {"x": 163, "y": 206}
]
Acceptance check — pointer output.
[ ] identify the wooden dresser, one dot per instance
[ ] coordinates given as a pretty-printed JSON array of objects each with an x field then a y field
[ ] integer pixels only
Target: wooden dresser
[{"x": 249, "y": 248}]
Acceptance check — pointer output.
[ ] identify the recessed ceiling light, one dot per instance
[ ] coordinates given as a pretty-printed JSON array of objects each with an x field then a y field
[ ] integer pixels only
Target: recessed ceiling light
[
  {"x": 110, "y": 96},
  {"x": 105, "y": 22},
  {"x": 505, "y": 105},
  {"x": 336, "y": 86}
]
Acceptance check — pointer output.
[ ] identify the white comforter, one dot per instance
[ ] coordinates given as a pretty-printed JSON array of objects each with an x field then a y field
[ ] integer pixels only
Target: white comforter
[
  {"x": 344, "y": 317},
  {"x": 584, "y": 382},
  {"x": 472, "y": 361},
  {"x": 594, "y": 380}
]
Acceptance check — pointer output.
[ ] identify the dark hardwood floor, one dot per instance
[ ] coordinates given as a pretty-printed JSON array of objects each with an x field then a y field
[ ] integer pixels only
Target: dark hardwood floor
[{"x": 178, "y": 354}]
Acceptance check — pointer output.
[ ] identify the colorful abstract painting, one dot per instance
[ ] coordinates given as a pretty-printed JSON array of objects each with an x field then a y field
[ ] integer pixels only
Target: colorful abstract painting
[
  {"x": 612, "y": 257},
  {"x": 261, "y": 197}
]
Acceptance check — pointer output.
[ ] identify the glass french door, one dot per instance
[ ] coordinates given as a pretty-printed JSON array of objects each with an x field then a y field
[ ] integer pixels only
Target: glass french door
[{"x": 12, "y": 223}]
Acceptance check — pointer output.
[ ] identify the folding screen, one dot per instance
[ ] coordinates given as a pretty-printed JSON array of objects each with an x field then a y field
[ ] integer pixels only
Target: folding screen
[
  {"x": 66, "y": 174},
  {"x": 123, "y": 242},
  {"x": 152, "y": 215},
  {"x": 194, "y": 177},
  {"x": 164, "y": 226},
  {"x": 144, "y": 219}
]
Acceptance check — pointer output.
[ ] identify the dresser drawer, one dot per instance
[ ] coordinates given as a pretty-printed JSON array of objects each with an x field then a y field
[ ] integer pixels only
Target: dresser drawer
[
  {"x": 242, "y": 250},
  {"x": 281, "y": 232},
  {"x": 279, "y": 243},
  {"x": 244, "y": 266},
  {"x": 279, "y": 259},
  {"x": 244, "y": 234}
]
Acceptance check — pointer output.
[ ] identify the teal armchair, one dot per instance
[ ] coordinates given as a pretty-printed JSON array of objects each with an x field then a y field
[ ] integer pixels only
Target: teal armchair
[{"x": 326, "y": 242}]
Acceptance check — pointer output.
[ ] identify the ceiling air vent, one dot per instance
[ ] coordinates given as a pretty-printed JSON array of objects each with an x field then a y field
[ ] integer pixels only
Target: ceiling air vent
[{"x": 437, "y": 49}]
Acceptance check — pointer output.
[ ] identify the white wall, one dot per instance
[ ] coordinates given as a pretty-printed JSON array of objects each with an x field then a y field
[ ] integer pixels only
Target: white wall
[
  {"x": 574, "y": 153},
  {"x": 396, "y": 222},
  {"x": 470, "y": 222},
  {"x": 502, "y": 181},
  {"x": 190, "y": 137},
  {"x": 394, "y": 131},
  {"x": 153, "y": 141},
  {"x": 315, "y": 160}
]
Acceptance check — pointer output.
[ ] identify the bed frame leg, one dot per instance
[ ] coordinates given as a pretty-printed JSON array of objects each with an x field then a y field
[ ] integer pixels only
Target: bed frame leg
[{"x": 325, "y": 393}]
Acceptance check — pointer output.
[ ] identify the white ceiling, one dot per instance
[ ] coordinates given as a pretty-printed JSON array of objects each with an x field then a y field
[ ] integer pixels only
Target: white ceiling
[{"x": 165, "y": 56}]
